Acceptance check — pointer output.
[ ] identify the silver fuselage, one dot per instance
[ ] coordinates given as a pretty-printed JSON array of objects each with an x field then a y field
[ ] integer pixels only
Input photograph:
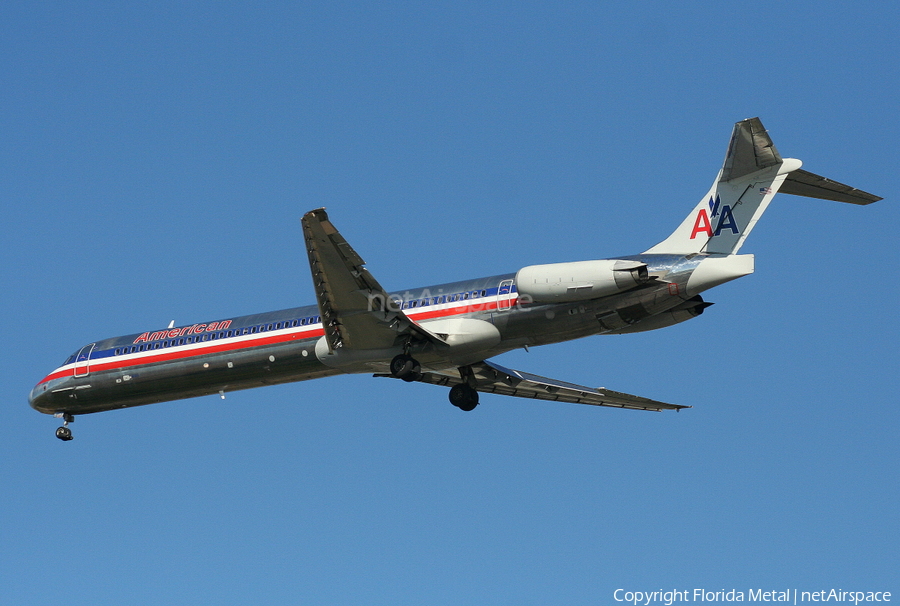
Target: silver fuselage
[{"x": 281, "y": 346}]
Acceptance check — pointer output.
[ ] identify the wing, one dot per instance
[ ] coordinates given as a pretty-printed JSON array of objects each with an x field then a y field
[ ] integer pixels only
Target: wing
[
  {"x": 356, "y": 311},
  {"x": 493, "y": 378}
]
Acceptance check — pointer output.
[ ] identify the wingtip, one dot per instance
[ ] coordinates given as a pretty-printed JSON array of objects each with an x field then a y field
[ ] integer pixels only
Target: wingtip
[{"x": 317, "y": 212}]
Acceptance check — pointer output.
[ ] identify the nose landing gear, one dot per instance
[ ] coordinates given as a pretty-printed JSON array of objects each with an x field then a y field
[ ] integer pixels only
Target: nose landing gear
[{"x": 64, "y": 433}]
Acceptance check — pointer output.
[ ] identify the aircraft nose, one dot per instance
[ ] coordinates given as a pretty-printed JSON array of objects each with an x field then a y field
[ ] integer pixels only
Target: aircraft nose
[{"x": 41, "y": 399}]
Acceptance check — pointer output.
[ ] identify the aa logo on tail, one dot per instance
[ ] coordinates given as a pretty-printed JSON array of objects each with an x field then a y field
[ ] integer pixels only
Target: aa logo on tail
[{"x": 703, "y": 223}]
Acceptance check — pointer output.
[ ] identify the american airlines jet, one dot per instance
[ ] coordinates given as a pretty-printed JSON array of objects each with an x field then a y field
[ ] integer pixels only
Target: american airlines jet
[{"x": 447, "y": 334}]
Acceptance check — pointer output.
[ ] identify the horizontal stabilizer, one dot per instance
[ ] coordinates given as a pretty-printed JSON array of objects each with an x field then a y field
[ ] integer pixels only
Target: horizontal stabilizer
[
  {"x": 751, "y": 149},
  {"x": 804, "y": 183}
]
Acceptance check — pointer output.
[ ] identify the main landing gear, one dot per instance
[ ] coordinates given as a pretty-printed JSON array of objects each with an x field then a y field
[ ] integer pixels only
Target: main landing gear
[
  {"x": 64, "y": 433},
  {"x": 463, "y": 396},
  {"x": 405, "y": 367}
]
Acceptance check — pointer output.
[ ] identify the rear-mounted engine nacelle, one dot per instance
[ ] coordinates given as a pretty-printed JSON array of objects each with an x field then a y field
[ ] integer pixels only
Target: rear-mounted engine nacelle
[
  {"x": 579, "y": 281},
  {"x": 617, "y": 322}
]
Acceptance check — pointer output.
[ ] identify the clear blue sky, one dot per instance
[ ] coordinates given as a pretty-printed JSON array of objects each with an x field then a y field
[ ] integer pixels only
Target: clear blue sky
[{"x": 155, "y": 159}]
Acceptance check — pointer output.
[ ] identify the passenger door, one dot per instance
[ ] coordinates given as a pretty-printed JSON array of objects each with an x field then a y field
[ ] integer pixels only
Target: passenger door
[
  {"x": 504, "y": 295},
  {"x": 83, "y": 360}
]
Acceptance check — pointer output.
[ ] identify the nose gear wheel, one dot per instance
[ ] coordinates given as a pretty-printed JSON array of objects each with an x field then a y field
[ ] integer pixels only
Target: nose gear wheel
[{"x": 64, "y": 433}]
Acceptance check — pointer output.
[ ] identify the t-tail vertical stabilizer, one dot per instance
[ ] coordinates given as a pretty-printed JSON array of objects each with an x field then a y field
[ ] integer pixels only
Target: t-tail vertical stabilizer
[{"x": 752, "y": 174}]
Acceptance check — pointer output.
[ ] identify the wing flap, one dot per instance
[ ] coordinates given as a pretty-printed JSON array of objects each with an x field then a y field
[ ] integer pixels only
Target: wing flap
[{"x": 493, "y": 378}]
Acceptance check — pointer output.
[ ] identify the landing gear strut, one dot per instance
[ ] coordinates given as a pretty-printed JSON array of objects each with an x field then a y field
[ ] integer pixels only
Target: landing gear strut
[
  {"x": 464, "y": 397},
  {"x": 64, "y": 433},
  {"x": 405, "y": 367}
]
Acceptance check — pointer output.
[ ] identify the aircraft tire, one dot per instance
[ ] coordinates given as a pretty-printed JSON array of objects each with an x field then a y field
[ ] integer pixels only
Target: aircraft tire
[
  {"x": 403, "y": 366},
  {"x": 64, "y": 434},
  {"x": 464, "y": 397}
]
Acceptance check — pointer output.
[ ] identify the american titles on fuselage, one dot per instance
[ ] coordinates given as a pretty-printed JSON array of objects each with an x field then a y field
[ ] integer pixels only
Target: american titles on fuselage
[{"x": 171, "y": 333}]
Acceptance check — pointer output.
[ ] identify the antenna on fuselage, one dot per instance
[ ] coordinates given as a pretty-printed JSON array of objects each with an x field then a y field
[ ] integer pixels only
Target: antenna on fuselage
[{"x": 171, "y": 324}]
